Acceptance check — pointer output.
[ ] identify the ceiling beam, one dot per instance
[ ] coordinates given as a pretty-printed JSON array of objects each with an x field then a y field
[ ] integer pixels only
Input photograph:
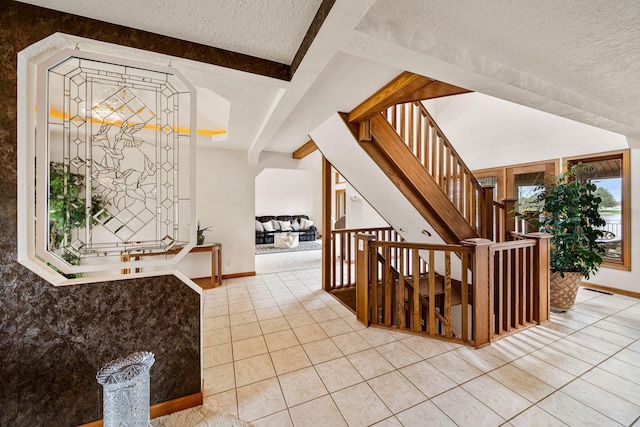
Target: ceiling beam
[
  {"x": 407, "y": 87},
  {"x": 312, "y": 31},
  {"x": 305, "y": 150}
]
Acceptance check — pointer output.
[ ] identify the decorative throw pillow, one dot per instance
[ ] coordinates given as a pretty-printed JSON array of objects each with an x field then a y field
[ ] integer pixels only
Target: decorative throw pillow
[
  {"x": 275, "y": 224},
  {"x": 295, "y": 225},
  {"x": 259, "y": 227},
  {"x": 267, "y": 226},
  {"x": 285, "y": 225},
  {"x": 305, "y": 224}
]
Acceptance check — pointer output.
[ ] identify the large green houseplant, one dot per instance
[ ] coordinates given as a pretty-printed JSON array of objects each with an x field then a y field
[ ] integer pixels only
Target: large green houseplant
[{"x": 569, "y": 212}]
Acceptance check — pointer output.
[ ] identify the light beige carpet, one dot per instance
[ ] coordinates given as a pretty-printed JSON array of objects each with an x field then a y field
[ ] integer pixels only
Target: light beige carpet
[{"x": 200, "y": 416}]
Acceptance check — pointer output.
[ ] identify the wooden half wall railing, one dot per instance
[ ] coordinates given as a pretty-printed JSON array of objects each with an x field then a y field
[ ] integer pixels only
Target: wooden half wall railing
[
  {"x": 441, "y": 161},
  {"x": 495, "y": 289}
]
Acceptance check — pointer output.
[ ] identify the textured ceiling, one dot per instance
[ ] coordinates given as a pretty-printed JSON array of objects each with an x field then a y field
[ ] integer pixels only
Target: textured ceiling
[{"x": 575, "y": 59}]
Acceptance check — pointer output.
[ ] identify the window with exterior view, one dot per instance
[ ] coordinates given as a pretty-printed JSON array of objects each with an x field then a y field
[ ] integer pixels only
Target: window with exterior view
[{"x": 610, "y": 175}]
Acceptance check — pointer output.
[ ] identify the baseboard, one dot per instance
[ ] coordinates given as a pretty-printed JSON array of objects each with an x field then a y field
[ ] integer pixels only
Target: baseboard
[
  {"x": 612, "y": 290},
  {"x": 236, "y": 275},
  {"x": 165, "y": 408}
]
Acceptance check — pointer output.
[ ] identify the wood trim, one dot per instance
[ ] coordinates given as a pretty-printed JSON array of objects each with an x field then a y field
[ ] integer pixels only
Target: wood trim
[
  {"x": 302, "y": 152},
  {"x": 165, "y": 408},
  {"x": 624, "y": 292},
  {"x": 406, "y": 87},
  {"x": 624, "y": 155},
  {"x": 326, "y": 223},
  {"x": 51, "y": 21},
  {"x": 312, "y": 31},
  {"x": 236, "y": 275}
]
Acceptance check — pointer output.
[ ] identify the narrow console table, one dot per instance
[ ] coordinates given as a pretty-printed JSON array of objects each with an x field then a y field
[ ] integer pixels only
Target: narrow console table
[{"x": 216, "y": 260}]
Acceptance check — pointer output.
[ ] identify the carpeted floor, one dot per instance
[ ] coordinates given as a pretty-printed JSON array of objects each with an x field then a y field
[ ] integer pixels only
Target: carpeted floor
[
  {"x": 200, "y": 416},
  {"x": 303, "y": 246}
]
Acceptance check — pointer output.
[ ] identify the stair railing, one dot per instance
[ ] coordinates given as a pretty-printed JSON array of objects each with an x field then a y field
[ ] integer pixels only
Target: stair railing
[
  {"x": 495, "y": 289},
  {"x": 430, "y": 146}
]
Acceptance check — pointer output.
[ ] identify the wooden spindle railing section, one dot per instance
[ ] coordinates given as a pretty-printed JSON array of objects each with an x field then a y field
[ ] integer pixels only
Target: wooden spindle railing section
[
  {"x": 491, "y": 290},
  {"x": 431, "y": 147},
  {"x": 343, "y": 253}
]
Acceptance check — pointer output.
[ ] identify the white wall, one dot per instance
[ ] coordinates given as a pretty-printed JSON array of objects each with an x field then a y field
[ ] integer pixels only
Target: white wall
[
  {"x": 285, "y": 192},
  {"x": 226, "y": 202},
  {"x": 360, "y": 214}
]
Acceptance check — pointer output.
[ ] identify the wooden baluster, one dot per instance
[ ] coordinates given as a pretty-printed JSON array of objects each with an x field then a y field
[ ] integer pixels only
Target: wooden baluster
[
  {"x": 540, "y": 265},
  {"x": 464, "y": 290},
  {"x": 432, "y": 293},
  {"x": 401, "y": 285},
  {"x": 349, "y": 258},
  {"x": 363, "y": 284},
  {"x": 447, "y": 294},
  {"x": 506, "y": 297},
  {"x": 386, "y": 274},
  {"x": 499, "y": 270},
  {"x": 417, "y": 325}
]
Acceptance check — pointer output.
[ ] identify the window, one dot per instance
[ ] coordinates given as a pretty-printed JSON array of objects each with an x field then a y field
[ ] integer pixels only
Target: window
[{"x": 610, "y": 173}]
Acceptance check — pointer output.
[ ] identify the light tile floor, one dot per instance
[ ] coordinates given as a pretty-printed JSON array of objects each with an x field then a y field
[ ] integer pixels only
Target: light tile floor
[{"x": 281, "y": 352}]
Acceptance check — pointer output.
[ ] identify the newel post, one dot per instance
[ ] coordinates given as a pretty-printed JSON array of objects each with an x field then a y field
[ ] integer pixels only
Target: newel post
[
  {"x": 541, "y": 275},
  {"x": 509, "y": 217},
  {"x": 482, "y": 268},
  {"x": 487, "y": 214},
  {"x": 363, "y": 261}
]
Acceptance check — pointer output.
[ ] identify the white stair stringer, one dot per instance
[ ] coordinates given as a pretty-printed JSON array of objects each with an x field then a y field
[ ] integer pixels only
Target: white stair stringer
[{"x": 337, "y": 144}]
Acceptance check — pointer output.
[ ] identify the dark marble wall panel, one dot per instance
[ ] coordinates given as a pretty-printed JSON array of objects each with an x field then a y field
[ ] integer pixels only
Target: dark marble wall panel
[{"x": 54, "y": 340}]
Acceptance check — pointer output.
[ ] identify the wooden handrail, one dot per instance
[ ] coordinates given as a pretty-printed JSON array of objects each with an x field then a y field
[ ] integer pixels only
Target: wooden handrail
[
  {"x": 396, "y": 288},
  {"x": 441, "y": 161}
]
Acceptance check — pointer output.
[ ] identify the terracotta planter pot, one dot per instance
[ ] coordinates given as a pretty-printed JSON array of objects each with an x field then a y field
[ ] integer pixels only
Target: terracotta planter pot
[{"x": 563, "y": 290}]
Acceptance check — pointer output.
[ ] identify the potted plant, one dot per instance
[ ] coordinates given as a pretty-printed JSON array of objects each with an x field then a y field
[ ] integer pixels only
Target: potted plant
[
  {"x": 569, "y": 212},
  {"x": 200, "y": 234}
]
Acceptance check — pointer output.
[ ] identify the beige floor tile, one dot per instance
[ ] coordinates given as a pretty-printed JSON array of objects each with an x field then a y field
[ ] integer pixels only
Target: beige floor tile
[
  {"x": 300, "y": 319},
  {"x": 479, "y": 358},
  {"x": 268, "y": 313},
  {"x": 455, "y": 368},
  {"x": 543, "y": 371},
  {"x": 216, "y": 337},
  {"x": 354, "y": 323},
  {"x": 504, "y": 350},
  {"x": 425, "y": 414},
  {"x": 322, "y": 350},
  {"x": 617, "y": 328},
  {"x": 573, "y": 412},
  {"x": 224, "y": 402},
  {"x": 424, "y": 347},
  {"x": 291, "y": 308},
  {"x": 466, "y": 410},
  {"x": 309, "y": 333},
  {"x": 427, "y": 378},
  {"x": 388, "y": 422},
  {"x": 342, "y": 311},
  {"x": 260, "y": 399},
  {"x": 536, "y": 417},
  {"x": 635, "y": 346},
  {"x": 614, "y": 384},
  {"x": 244, "y": 331},
  {"x": 562, "y": 360},
  {"x": 215, "y": 323},
  {"x": 360, "y": 406},
  {"x": 620, "y": 410},
  {"x": 572, "y": 315},
  {"x": 350, "y": 343},
  {"x": 318, "y": 412},
  {"x": 324, "y": 314},
  {"x": 370, "y": 363},
  {"x": 242, "y": 318},
  {"x": 219, "y": 379},
  {"x": 376, "y": 336},
  {"x": 580, "y": 352},
  {"x": 496, "y": 396},
  {"x": 396, "y": 391},
  {"x": 239, "y": 298},
  {"x": 277, "y": 324},
  {"x": 398, "y": 354},
  {"x": 216, "y": 355},
  {"x": 264, "y": 303},
  {"x": 290, "y": 359},
  {"x": 522, "y": 383},
  {"x": 279, "y": 419},
  {"x": 240, "y": 307},
  {"x": 622, "y": 369},
  {"x": 605, "y": 335},
  {"x": 629, "y": 356},
  {"x": 335, "y": 327},
  {"x": 280, "y": 340},
  {"x": 250, "y": 347},
  {"x": 254, "y": 369},
  {"x": 338, "y": 374},
  {"x": 313, "y": 304},
  {"x": 592, "y": 343},
  {"x": 259, "y": 292},
  {"x": 301, "y": 386}
]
